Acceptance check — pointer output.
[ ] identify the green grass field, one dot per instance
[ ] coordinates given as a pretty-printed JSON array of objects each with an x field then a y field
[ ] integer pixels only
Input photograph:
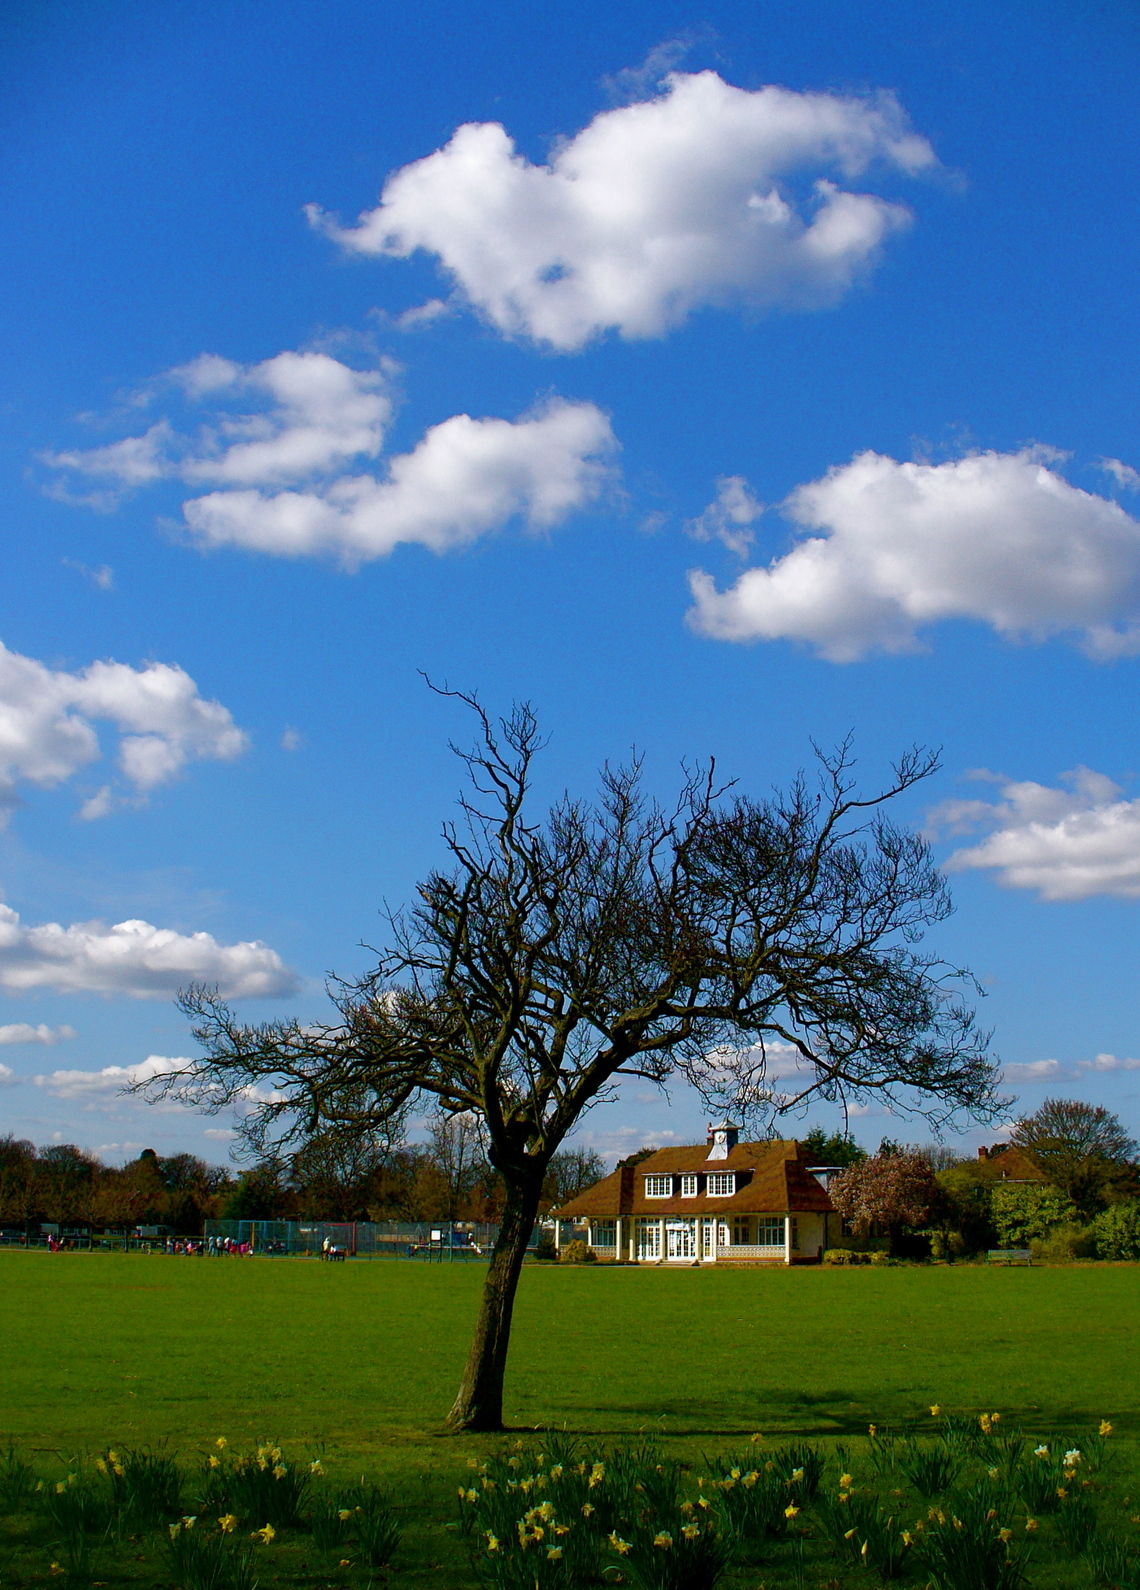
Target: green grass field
[{"x": 363, "y": 1358}]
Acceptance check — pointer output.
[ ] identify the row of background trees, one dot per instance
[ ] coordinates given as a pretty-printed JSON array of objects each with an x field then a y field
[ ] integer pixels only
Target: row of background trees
[
  {"x": 933, "y": 1200},
  {"x": 330, "y": 1177},
  {"x": 923, "y": 1199}
]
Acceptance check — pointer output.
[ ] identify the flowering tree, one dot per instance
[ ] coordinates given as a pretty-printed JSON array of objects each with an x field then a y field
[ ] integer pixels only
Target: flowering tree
[
  {"x": 888, "y": 1190},
  {"x": 558, "y": 953}
]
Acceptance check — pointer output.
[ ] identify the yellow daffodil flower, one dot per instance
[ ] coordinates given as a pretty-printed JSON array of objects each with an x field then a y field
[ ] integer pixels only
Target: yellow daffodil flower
[
  {"x": 221, "y": 1443},
  {"x": 1005, "y": 1535},
  {"x": 1031, "y": 1524},
  {"x": 935, "y": 1410},
  {"x": 663, "y": 1541},
  {"x": 791, "y": 1510},
  {"x": 846, "y": 1481},
  {"x": 797, "y": 1474},
  {"x": 316, "y": 1466},
  {"x": 690, "y": 1531},
  {"x": 266, "y": 1533},
  {"x": 1105, "y": 1427},
  {"x": 492, "y": 1542},
  {"x": 227, "y": 1523}
]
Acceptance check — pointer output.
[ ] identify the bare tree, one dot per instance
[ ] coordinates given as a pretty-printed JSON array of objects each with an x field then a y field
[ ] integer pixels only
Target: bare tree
[
  {"x": 609, "y": 939},
  {"x": 455, "y": 1144}
]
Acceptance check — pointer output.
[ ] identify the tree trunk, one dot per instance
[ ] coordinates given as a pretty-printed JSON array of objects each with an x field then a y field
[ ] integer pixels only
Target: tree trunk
[{"x": 479, "y": 1405}]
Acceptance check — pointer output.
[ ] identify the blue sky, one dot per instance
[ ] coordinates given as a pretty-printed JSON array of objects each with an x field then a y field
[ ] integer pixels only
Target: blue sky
[{"x": 789, "y": 394}]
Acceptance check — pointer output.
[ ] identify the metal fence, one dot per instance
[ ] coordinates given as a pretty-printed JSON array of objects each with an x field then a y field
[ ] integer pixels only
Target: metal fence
[{"x": 444, "y": 1241}]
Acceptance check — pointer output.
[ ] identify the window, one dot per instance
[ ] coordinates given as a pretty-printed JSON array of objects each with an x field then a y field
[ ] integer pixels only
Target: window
[
  {"x": 721, "y": 1184},
  {"x": 648, "y": 1239},
  {"x": 741, "y": 1231},
  {"x": 603, "y": 1234},
  {"x": 771, "y": 1232},
  {"x": 688, "y": 1186},
  {"x": 659, "y": 1186}
]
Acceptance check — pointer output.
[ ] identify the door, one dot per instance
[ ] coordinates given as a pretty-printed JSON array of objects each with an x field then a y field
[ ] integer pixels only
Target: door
[{"x": 680, "y": 1239}]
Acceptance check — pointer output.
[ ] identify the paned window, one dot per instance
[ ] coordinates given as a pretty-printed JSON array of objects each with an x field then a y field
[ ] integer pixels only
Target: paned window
[
  {"x": 741, "y": 1230},
  {"x": 659, "y": 1186},
  {"x": 721, "y": 1184},
  {"x": 688, "y": 1186},
  {"x": 603, "y": 1234},
  {"x": 648, "y": 1234},
  {"x": 771, "y": 1232}
]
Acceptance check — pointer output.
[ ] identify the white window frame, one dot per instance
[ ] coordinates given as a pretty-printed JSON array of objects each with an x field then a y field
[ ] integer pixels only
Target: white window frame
[
  {"x": 688, "y": 1186},
  {"x": 770, "y": 1231},
  {"x": 720, "y": 1183},
  {"x": 653, "y": 1189},
  {"x": 603, "y": 1234},
  {"x": 680, "y": 1239},
  {"x": 647, "y": 1238},
  {"x": 741, "y": 1230}
]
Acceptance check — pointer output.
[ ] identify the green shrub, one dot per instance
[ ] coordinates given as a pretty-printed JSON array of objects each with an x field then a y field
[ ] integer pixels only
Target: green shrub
[
  {"x": 576, "y": 1252},
  {"x": 544, "y": 1248},
  {"x": 845, "y": 1256},
  {"x": 1026, "y": 1211},
  {"x": 1065, "y": 1243},
  {"x": 1117, "y": 1231}
]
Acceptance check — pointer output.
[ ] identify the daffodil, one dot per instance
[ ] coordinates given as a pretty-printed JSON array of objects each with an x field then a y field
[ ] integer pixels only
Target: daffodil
[
  {"x": 935, "y": 1410},
  {"x": 907, "y": 1538},
  {"x": 1072, "y": 1457},
  {"x": 221, "y": 1443},
  {"x": 279, "y": 1471},
  {"x": 846, "y": 1481},
  {"x": 690, "y": 1531},
  {"x": 1031, "y": 1524},
  {"x": 316, "y": 1466},
  {"x": 556, "y": 1471},
  {"x": 344, "y": 1563},
  {"x": 993, "y": 1473},
  {"x": 872, "y": 1430},
  {"x": 100, "y": 1465},
  {"x": 215, "y": 1462},
  {"x": 345, "y": 1513},
  {"x": 1041, "y": 1451},
  {"x": 56, "y": 1569},
  {"x": 797, "y": 1474},
  {"x": 266, "y": 1533},
  {"x": 1105, "y": 1427},
  {"x": 175, "y": 1530},
  {"x": 588, "y": 1509},
  {"x": 492, "y": 1542},
  {"x": 791, "y": 1510},
  {"x": 227, "y": 1523},
  {"x": 663, "y": 1541},
  {"x": 622, "y": 1547},
  {"x": 1005, "y": 1535}
]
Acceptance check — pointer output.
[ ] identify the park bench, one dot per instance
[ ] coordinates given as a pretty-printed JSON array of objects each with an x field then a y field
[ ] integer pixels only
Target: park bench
[{"x": 1009, "y": 1256}]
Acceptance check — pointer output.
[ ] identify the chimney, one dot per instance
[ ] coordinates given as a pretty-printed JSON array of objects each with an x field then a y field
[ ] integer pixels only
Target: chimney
[{"x": 983, "y": 1152}]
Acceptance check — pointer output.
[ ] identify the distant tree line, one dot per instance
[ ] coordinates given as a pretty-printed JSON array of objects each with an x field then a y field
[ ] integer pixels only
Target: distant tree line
[
  {"x": 329, "y": 1177},
  {"x": 929, "y": 1199}
]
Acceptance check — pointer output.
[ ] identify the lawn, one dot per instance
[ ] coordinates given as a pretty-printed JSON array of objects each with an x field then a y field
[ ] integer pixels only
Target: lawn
[{"x": 362, "y": 1359}]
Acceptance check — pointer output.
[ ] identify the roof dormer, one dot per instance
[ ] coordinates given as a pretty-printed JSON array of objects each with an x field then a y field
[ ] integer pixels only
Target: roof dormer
[{"x": 722, "y": 1139}]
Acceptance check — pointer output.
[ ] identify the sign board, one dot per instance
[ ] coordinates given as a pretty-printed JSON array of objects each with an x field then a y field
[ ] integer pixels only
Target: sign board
[{"x": 437, "y": 1236}]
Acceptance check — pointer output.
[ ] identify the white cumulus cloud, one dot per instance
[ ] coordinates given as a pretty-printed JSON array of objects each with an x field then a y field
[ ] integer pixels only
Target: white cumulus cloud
[
  {"x": 1000, "y": 538},
  {"x": 317, "y": 414},
  {"x": 24, "y": 1032},
  {"x": 466, "y": 478},
  {"x": 47, "y": 719},
  {"x": 8, "y": 1078},
  {"x": 133, "y": 958},
  {"x": 288, "y": 481},
  {"x": 1068, "y": 843},
  {"x": 705, "y": 194},
  {"x": 1032, "y": 1071},
  {"x": 91, "y": 1086},
  {"x": 1109, "y": 1062}
]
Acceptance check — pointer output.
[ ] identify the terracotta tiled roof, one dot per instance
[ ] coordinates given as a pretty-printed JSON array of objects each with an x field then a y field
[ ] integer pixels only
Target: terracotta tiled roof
[
  {"x": 771, "y": 1178},
  {"x": 1014, "y": 1164}
]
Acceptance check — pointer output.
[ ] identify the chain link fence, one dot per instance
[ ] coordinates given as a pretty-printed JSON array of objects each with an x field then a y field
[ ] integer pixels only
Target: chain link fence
[{"x": 445, "y": 1241}]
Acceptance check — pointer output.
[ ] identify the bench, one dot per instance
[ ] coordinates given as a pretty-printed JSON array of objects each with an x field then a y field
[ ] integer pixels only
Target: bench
[{"x": 1009, "y": 1256}]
